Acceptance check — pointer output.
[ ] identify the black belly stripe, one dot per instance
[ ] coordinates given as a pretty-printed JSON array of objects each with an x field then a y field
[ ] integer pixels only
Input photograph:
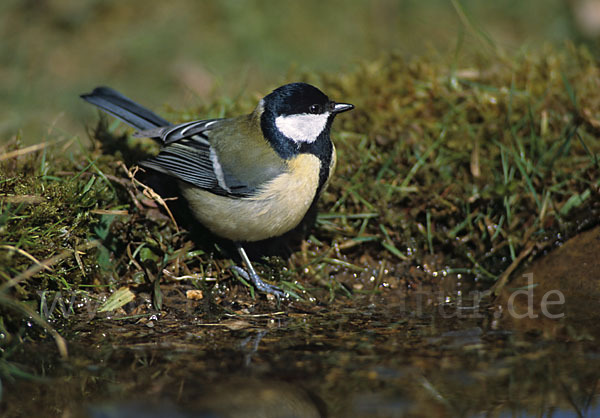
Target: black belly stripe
[
  {"x": 322, "y": 148},
  {"x": 325, "y": 170}
]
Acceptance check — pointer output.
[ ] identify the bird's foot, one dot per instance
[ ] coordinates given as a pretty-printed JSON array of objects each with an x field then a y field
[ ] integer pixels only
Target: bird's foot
[{"x": 261, "y": 286}]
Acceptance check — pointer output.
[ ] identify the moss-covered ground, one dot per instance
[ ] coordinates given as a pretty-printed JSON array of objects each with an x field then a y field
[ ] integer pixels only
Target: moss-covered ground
[{"x": 447, "y": 169}]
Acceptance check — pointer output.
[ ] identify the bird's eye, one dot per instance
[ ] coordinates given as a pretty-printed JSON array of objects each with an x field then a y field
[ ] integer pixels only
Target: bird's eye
[{"x": 314, "y": 109}]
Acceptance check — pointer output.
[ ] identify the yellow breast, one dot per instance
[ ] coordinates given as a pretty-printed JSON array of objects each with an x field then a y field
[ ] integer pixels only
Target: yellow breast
[{"x": 279, "y": 206}]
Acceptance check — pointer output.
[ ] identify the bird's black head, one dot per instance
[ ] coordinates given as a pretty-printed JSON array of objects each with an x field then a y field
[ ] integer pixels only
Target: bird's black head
[
  {"x": 298, "y": 117},
  {"x": 296, "y": 99}
]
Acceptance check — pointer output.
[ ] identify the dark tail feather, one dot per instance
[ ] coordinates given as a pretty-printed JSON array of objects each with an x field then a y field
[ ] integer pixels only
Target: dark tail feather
[{"x": 121, "y": 107}]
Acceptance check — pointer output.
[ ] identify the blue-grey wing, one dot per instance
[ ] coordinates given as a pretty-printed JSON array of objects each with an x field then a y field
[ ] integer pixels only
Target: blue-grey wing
[
  {"x": 196, "y": 163},
  {"x": 188, "y": 155},
  {"x": 173, "y": 133}
]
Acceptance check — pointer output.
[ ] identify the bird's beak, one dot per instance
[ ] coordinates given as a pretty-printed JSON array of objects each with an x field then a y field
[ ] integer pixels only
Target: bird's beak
[{"x": 342, "y": 107}]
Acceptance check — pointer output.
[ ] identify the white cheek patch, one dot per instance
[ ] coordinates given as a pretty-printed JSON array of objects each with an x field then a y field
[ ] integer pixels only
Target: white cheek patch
[{"x": 304, "y": 127}]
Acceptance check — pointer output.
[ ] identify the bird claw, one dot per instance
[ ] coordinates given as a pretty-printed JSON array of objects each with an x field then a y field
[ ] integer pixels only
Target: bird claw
[{"x": 258, "y": 283}]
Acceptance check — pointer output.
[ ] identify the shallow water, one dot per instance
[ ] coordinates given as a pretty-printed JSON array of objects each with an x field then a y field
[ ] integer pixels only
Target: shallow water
[
  {"x": 424, "y": 351},
  {"x": 370, "y": 356}
]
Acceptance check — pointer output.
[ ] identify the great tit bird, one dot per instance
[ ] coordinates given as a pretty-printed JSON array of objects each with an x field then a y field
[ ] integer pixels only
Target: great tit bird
[{"x": 246, "y": 178}]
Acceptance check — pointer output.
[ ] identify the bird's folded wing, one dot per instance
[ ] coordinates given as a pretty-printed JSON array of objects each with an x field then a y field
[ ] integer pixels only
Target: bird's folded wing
[
  {"x": 188, "y": 156},
  {"x": 173, "y": 133}
]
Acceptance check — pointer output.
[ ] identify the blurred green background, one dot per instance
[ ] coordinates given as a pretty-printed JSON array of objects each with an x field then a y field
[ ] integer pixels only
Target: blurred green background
[{"x": 185, "y": 53}]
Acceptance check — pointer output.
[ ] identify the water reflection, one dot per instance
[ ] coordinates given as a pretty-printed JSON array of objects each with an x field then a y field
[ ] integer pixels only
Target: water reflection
[{"x": 363, "y": 358}]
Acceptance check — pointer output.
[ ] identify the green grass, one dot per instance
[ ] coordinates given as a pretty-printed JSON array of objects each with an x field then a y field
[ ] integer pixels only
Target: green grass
[{"x": 445, "y": 166}]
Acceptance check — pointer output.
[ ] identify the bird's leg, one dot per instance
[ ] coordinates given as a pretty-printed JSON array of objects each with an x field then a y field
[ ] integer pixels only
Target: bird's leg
[{"x": 251, "y": 275}]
